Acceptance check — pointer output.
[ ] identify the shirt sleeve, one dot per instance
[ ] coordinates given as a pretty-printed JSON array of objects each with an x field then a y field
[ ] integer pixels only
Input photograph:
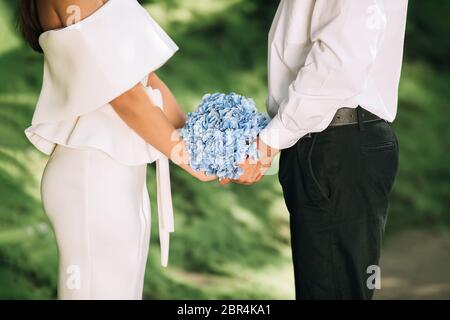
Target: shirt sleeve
[{"x": 345, "y": 36}]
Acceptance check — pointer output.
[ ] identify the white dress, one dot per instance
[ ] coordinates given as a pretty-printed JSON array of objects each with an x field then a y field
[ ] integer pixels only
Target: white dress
[{"x": 94, "y": 185}]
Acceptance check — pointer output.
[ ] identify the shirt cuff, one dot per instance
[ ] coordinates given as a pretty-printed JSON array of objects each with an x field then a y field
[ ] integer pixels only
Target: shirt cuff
[{"x": 277, "y": 136}]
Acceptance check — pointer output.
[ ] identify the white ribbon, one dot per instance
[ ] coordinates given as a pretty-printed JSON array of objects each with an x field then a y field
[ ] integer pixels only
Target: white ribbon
[
  {"x": 165, "y": 209},
  {"x": 164, "y": 195}
]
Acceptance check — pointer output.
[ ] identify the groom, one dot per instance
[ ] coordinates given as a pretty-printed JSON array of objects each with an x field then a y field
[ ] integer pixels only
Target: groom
[{"x": 334, "y": 70}]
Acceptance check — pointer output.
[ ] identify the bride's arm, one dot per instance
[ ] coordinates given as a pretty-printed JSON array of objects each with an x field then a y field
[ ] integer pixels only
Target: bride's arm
[
  {"x": 172, "y": 109},
  {"x": 140, "y": 114}
]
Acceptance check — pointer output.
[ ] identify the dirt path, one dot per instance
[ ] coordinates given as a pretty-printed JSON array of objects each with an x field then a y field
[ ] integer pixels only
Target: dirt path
[{"x": 416, "y": 265}]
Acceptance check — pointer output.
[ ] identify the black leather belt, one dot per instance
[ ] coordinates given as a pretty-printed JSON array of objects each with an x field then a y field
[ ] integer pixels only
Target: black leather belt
[{"x": 346, "y": 116}]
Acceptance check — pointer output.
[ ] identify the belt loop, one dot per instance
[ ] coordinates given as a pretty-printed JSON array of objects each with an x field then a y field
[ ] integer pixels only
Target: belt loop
[{"x": 360, "y": 119}]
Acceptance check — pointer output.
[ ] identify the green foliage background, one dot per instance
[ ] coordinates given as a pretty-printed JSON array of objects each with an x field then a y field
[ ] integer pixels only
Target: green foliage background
[{"x": 230, "y": 242}]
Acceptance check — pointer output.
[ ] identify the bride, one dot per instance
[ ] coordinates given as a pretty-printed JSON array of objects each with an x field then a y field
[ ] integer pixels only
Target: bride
[{"x": 102, "y": 115}]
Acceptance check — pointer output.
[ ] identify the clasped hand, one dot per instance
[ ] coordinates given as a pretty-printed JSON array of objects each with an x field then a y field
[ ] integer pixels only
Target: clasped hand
[{"x": 254, "y": 170}]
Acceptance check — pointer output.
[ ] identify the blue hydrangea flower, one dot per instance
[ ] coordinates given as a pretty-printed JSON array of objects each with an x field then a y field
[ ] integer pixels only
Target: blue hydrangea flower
[{"x": 222, "y": 133}]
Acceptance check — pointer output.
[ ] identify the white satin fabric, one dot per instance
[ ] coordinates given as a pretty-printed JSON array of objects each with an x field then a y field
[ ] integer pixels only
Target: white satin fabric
[
  {"x": 89, "y": 64},
  {"x": 100, "y": 212}
]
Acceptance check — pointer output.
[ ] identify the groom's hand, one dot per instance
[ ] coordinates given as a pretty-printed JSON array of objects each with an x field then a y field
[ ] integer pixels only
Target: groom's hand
[{"x": 255, "y": 170}]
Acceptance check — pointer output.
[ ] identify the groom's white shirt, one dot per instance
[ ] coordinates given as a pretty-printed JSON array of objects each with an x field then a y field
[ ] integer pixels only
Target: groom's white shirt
[{"x": 327, "y": 54}]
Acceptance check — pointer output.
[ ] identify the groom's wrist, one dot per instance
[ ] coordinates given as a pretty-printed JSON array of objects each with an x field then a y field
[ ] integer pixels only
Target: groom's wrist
[
  {"x": 266, "y": 153},
  {"x": 278, "y": 136}
]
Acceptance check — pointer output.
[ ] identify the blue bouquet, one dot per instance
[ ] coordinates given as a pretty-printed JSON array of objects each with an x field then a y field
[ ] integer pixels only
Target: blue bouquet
[{"x": 222, "y": 133}]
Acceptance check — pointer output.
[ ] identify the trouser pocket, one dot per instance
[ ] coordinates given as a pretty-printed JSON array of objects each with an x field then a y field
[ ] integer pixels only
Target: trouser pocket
[
  {"x": 315, "y": 159},
  {"x": 379, "y": 153}
]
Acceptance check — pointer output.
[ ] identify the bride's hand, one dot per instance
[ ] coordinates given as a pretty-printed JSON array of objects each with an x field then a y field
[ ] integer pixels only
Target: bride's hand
[
  {"x": 198, "y": 174},
  {"x": 180, "y": 157}
]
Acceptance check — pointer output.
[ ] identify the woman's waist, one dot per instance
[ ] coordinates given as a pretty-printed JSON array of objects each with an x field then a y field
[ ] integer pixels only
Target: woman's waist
[
  {"x": 102, "y": 130},
  {"x": 71, "y": 161}
]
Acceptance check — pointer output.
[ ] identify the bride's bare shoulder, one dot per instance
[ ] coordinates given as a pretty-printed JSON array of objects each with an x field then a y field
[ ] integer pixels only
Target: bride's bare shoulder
[{"x": 54, "y": 14}]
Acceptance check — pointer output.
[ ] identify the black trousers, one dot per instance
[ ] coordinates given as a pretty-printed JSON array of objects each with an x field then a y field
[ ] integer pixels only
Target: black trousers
[{"x": 336, "y": 185}]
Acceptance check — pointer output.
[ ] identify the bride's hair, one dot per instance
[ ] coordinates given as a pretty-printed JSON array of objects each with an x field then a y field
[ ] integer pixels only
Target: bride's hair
[{"x": 29, "y": 24}]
